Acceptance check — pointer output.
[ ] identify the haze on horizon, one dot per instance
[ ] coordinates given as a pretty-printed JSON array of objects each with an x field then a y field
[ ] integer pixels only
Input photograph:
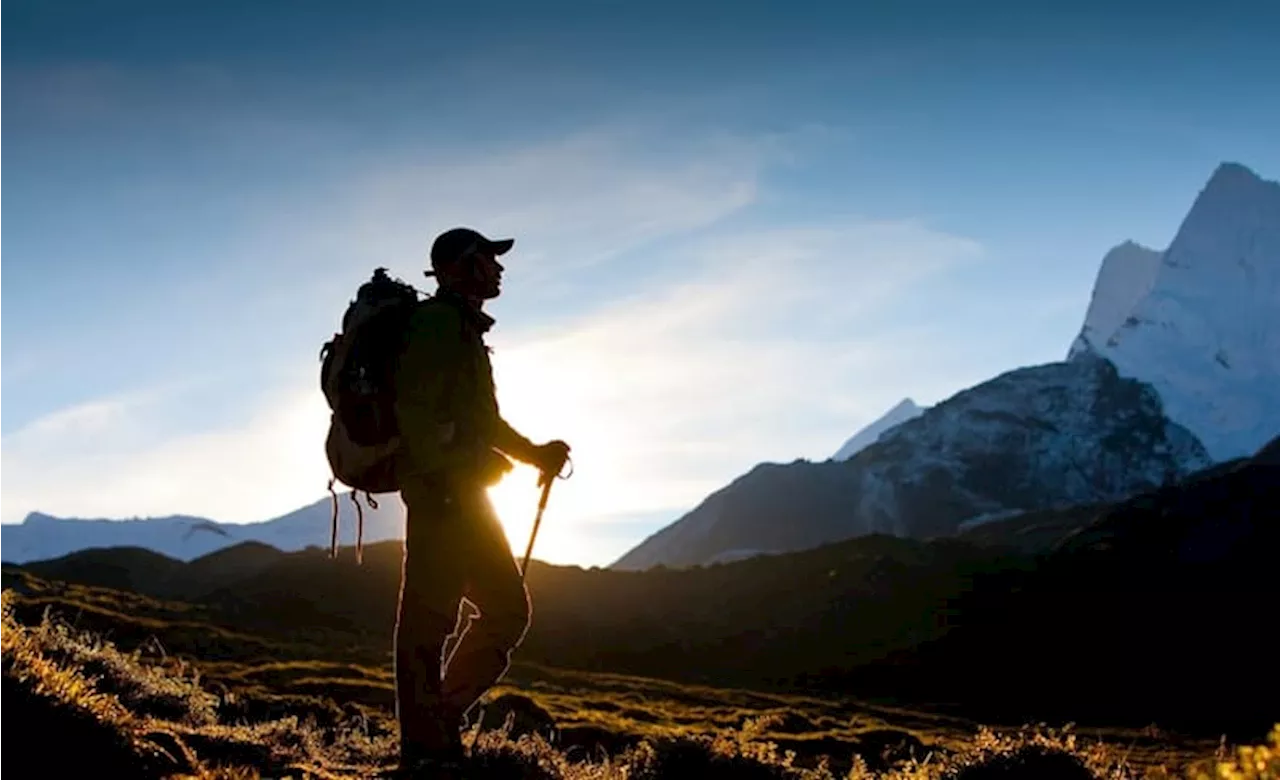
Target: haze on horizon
[{"x": 739, "y": 237}]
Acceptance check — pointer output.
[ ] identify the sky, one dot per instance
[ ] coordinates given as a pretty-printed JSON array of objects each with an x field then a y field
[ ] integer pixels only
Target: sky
[{"x": 743, "y": 230}]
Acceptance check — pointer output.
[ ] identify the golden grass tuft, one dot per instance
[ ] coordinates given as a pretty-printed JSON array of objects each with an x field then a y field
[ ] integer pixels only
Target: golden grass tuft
[{"x": 1245, "y": 762}]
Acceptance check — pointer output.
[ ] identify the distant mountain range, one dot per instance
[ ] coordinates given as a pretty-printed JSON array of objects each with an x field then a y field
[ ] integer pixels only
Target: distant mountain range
[
  {"x": 40, "y": 537},
  {"x": 1176, "y": 366}
]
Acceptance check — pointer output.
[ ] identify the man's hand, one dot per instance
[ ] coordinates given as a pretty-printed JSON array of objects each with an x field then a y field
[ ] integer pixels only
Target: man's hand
[{"x": 550, "y": 459}]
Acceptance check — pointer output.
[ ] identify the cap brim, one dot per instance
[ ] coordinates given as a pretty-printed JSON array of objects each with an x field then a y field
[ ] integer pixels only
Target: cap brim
[{"x": 501, "y": 247}]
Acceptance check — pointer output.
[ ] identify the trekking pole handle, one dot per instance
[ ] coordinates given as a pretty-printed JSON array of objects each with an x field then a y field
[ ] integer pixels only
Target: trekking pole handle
[{"x": 543, "y": 477}]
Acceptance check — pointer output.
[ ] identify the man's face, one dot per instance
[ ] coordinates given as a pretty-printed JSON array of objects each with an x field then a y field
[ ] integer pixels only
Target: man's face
[
  {"x": 488, "y": 274},
  {"x": 477, "y": 274}
]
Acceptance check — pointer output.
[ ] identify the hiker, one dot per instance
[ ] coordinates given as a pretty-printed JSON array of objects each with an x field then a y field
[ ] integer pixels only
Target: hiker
[{"x": 455, "y": 444}]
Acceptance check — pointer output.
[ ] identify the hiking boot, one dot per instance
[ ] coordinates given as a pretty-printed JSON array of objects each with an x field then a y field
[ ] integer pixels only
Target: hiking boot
[
  {"x": 445, "y": 763},
  {"x": 435, "y": 768}
]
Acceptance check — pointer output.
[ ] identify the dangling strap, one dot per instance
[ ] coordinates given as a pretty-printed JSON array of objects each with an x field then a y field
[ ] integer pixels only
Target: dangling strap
[
  {"x": 360, "y": 530},
  {"x": 333, "y": 539},
  {"x": 359, "y": 527}
]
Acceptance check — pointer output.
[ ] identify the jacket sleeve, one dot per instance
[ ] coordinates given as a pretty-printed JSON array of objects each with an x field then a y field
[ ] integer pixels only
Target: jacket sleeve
[
  {"x": 510, "y": 441},
  {"x": 427, "y": 393}
]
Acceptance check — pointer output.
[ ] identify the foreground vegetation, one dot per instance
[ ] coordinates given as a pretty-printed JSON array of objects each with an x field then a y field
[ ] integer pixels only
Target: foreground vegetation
[{"x": 148, "y": 712}]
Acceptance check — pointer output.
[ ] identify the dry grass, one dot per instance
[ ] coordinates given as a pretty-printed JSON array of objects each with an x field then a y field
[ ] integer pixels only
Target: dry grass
[
  {"x": 138, "y": 715},
  {"x": 1245, "y": 762}
]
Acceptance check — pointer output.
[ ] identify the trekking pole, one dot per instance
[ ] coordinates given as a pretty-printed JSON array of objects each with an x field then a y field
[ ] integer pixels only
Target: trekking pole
[{"x": 537, "y": 521}]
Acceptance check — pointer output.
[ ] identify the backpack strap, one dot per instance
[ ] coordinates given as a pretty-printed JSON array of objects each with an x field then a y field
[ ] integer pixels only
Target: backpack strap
[
  {"x": 373, "y": 504},
  {"x": 333, "y": 539},
  {"x": 359, "y": 528}
]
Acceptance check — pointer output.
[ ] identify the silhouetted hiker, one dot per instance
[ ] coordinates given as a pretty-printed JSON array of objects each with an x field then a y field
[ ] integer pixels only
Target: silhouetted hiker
[{"x": 453, "y": 443}]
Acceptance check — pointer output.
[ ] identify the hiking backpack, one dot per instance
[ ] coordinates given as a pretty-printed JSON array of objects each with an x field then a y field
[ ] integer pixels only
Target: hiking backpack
[{"x": 357, "y": 376}]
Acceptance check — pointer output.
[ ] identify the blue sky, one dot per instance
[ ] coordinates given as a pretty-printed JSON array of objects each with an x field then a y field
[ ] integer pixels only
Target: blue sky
[{"x": 742, "y": 231}]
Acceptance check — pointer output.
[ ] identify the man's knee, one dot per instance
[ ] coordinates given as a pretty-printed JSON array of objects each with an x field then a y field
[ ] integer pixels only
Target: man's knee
[
  {"x": 513, "y": 630},
  {"x": 429, "y": 600},
  {"x": 423, "y": 629},
  {"x": 506, "y": 622},
  {"x": 428, "y": 612}
]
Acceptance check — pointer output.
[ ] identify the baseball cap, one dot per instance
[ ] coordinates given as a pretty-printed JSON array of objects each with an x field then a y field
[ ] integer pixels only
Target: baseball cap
[{"x": 453, "y": 243}]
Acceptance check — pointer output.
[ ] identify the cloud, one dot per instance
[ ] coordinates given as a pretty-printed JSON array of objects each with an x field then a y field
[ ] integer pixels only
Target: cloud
[
  {"x": 570, "y": 203},
  {"x": 107, "y": 459},
  {"x": 573, "y": 204},
  {"x": 17, "y": 368},
  {"x": 73, "y": 91}
]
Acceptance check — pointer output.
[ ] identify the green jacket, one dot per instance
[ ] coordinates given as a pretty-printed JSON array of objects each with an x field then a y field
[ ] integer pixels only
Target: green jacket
[{"x": 446, "y": 404}]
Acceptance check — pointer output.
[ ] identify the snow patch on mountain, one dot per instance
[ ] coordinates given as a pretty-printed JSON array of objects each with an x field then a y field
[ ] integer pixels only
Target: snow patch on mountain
[
  {"x": 1206, "y": 334},
  {"x": 729, "y": 556},
  {"x": 987, "y": 517},
  {"x": 906, "y": 409}
]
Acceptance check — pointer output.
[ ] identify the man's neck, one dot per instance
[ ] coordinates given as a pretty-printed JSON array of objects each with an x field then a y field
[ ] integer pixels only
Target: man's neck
[
  {"x": 473, "y": 305},
  {"x": 470, "y": 301}
]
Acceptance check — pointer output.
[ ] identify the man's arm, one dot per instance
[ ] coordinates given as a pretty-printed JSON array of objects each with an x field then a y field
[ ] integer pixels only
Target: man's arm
[
  {"x": 549, "y": 458},
  {"x": 511, "y": 442}
]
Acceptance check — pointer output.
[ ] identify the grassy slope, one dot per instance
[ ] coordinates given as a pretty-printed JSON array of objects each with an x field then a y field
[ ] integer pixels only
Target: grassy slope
[{"x": 150, "y": 714}]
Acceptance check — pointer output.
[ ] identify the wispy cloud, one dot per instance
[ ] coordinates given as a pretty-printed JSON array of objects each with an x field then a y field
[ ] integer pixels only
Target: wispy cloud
[
  {"x": 17, "y": 368},
  {"x": 71, "y": 91},
  {"x": 571, "y": 202},
  {"x": 107, "y": 459}
]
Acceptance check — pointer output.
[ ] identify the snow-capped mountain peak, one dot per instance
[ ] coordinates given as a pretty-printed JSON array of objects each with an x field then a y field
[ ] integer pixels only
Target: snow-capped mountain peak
[
  {"x": 1206, "y": 334},
  {"x": 1128, "y": 272},
  {"x": 906, "y": 409}
]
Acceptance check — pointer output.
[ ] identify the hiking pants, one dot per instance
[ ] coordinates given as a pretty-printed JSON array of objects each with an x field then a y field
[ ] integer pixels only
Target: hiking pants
[{"x": 455, "y": 547}]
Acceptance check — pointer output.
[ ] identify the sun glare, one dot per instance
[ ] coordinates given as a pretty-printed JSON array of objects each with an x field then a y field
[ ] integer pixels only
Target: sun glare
[
  {"x": 569, "y": 388},
  {"x": 515, "y": 499},
  {"x": 571, "y": 502},
  {"x": 559, "y": 401}
]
